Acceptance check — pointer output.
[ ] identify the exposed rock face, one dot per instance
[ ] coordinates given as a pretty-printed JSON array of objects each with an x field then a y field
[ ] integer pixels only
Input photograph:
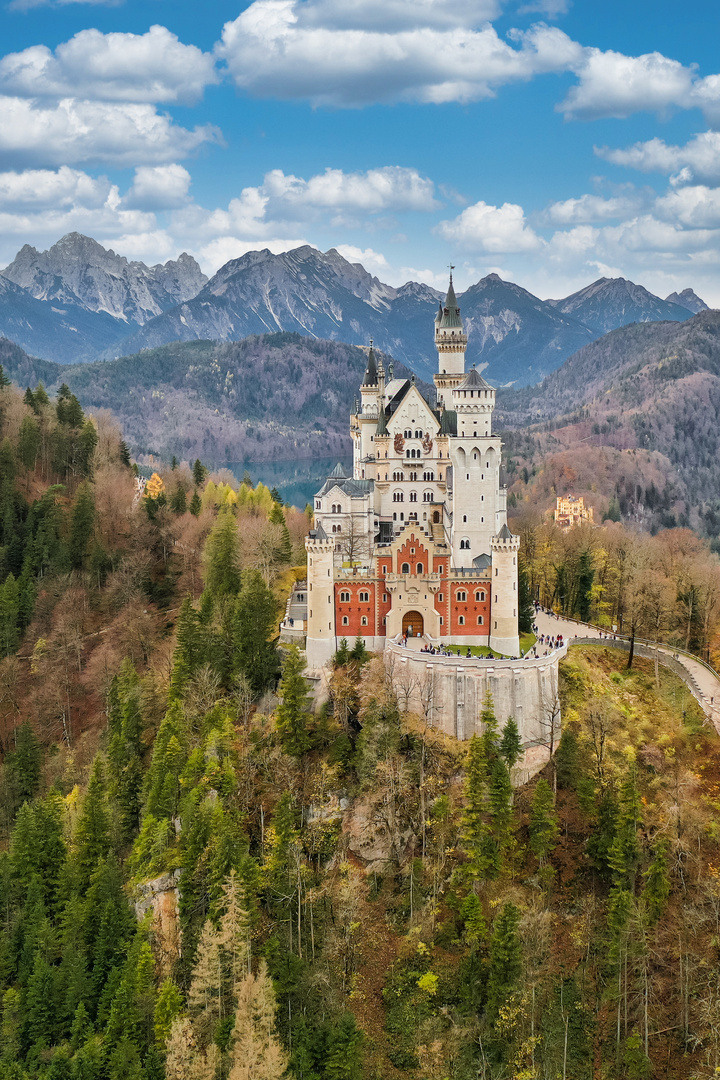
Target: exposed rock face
[
  {"x": 610, "y": 303},
  {"x": 162, "y": 897},
  {"x": 77, "y": 270},
  {"x": 688, "y": 299},
  {"x": 369, "y": 838}
]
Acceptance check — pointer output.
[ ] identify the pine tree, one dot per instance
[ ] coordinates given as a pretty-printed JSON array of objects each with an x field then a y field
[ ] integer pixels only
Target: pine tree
[
  {"x": 490, "y": 735},
  {"x": 657, "y": 880},
  {"x": 40, "y": 1004},
  {"x": 283, "y": 553},
  {"x": 195, "y": 504},
  {"x": 342, "y": 656},
  {"x": 86, "y": 445},
  {"x": 222, "y": 556},
  {"x": 511, "y": 743},
  {"x": 190, "y": 650},
  {"x": 505, "y": 957},
  {"x": 82, "y": 524},
  {"x": 199, "y": 473},
  {"x": 257, "y": 1053},
  {"x": 24, "y": 763},
  {"x": 544, "y": 827},
  {"x": 624, "y": 853},
  {"x": 477, "y": 836},
  {"x": 205, "y": 996},
  {"x": 343, "y": 1053},
  {"x": 585, "y": 579},
  {"x": 293, "y": 716},
  {"x": 185, "y": 1061},
  {"x": 178, "y": 501},
  {"x": 167, "y": 1008},
  {"x": 500, "y": 799},
  {"x": 92, "y": 834},
  {"x": 170, "y": 753},
  {"x": 256, "y": 613},
  {"x": 9, "y": 616},
  {"x": 526, "y": 609},
  {"x": 29, "y": 442},
  {"x": 234, "y": 933}
]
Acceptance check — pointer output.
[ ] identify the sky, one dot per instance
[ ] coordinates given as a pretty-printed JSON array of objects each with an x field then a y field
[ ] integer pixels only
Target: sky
[{"x": 549, "y": 141}]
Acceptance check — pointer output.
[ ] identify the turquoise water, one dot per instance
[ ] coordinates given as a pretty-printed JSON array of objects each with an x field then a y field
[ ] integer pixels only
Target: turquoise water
[{"x": 296, "y": 481}]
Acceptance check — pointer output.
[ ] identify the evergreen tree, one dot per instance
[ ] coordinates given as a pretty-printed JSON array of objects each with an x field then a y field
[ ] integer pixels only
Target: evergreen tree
[
  {"x": 505, "y": 957},
  {"x": 24, "y": 763},
  {"x": 510, "y": 743},
  {"x": 170, "y": 754},
  {"x": 342, "y": 656},
  {"x": 624, "y": 853},
  {"x": 206, "y": 999},
  {"x": 87, "y": 442},
  {"x": 92, "y": 834},
  {"x": 235, "y": 930},
  {"x": 190, "y": 650},
  {"x": 40, "y": 396},
  {"x": 82, "y": 524},
  {"x": 526, "y": 609},
  {"x": 283, "y": 553},
  {"x": 293, "y": 713},
  {"x": 195, "y": 504},
  {"x": 222, "y": 556},
  {"x": 174, "y": 463},
  {"x": 543, "y": 821},
  {"x": 613, "y": 510},
  {"x": 343, "y": 1054},
  {"x": 178, "y": 501},
  {"x": 40, "y": 1004},
  {"x": 477, "y": 836},
  {"x": 657, "y": 880},
  {"x": 9, "y": 616},
  {"x": 257, "y": 1053},
  {"x": 167, "y": 1008},
  {"x": 490, "y": 735},
  {"x": 29, "y": 400},
  {"x": 585, "y": 579},
  {"x": 199, "y": 473},
  {"x": 29, "y": 442},
  {"x": 256, "y": 612}
]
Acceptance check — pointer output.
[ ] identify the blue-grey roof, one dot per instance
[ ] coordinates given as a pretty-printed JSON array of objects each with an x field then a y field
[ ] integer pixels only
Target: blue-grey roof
[{"x": 474, "y": 381}]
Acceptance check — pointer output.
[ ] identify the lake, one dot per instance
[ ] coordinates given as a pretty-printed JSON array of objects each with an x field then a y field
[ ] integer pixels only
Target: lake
[{"x": 297, "y": 480}]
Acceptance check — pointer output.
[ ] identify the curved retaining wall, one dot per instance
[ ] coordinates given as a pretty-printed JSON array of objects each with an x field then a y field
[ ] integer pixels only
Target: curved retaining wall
[{"x": 450, "y": 690}]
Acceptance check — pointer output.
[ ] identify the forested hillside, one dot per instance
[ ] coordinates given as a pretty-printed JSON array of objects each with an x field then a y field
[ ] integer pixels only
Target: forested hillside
[
  {"x": 630, "y": 418},
  {"x": 202, "y": 877},
  {"x": 277, "y": 396}
]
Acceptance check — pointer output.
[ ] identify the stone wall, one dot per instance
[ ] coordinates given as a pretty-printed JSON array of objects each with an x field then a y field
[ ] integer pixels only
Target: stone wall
[{"x": 450, "y": 691}]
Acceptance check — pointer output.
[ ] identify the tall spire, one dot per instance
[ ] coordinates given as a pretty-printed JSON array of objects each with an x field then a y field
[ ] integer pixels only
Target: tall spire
[
  {"x": 370, "y": 378},
  {"x": 449, "y": 314}
]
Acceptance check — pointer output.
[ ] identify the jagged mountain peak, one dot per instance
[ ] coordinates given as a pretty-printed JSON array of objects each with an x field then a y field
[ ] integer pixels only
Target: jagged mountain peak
[
  {"x": 608, "y": 303},
  {"x": 689, "y": 299}
]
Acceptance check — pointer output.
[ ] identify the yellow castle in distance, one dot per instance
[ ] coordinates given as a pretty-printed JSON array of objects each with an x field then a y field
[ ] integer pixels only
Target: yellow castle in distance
[{"x": 571, "y": 511}]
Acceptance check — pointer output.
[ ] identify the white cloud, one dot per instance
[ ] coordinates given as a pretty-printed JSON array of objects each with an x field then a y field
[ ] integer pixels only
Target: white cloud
[
  {"x": 591, "y": 208},
  {"x": 154, "y": 66},
  {"x": 79, "y": 131},
  {"x": 695, "y": 207},
  {"x": 288, "y": 49},
  {"x": 492, "y": 229},
  {"x": 158, "y": 187},
  {"x": 373, "y": 261},
  {"x": 388, "y": 188},
  {"x": 222, "y": 249},
  {"x": 394, "y": 15},
  {"x": 37, "y": 189},
  {"x": 698, "y": 159}
]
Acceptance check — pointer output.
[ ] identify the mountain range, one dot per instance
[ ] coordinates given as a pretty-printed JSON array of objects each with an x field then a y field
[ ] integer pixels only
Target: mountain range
[{"x": 80, "y": 302}]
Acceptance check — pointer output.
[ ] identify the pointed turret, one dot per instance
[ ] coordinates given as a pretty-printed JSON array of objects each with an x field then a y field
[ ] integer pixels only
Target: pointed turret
[
  {"x": 450, "y": 312},
  {"x": 451, "y": 343},
  {"x": 370, "y": 378}
]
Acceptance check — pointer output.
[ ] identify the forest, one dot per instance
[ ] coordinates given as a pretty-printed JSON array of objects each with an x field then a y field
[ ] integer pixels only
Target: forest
[{"x": 203, "y": 875}]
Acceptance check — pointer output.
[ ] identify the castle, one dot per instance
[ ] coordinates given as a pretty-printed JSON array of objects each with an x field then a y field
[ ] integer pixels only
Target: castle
[{"x": 415, "y": 543}]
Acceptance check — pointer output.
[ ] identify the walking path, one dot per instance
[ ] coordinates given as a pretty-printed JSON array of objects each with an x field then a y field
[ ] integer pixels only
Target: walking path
[{"x": 706, "y": 681}]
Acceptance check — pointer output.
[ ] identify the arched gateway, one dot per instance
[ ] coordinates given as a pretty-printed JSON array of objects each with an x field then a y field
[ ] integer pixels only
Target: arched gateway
[{"x": 412, "y": 624}]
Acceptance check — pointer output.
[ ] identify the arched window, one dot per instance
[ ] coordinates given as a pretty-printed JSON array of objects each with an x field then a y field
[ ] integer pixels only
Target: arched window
[
  {"x": 363, "y": 621},
  {"x": 317, "y": 504},
  {"x": 364, "y": 597},
  {"x": 345, "y": 620},
  {"x": 407, "y": 453},
  {"x": 413, "y": 496},
  {"x": 398, "y": 496},
  {"x": 405, "y": 568},
  {"x": 480, "y": 620},
  {"x": 339, "y": 528},
  {"x": 419, "y": 569},
  {"x": 427, "y": 496},
  {"x": 344, "y": 597},
  {"x": 465, "y": 545},
  {"x": 461, "y": 596},
  {"x": 461, "y": 620},
  {"x": 480, "y": 596}
]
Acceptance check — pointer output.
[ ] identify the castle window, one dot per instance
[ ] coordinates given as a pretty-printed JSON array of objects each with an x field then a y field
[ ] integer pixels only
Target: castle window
[
  {"x": 344, "y": 597},
  {"x": 461, "y": 596},
  {"x": 440, "y": 597},
  {"x": 407, "y": 434},
  {"x": 345, "y": 620},
  {"x": 461, "y": 620},
  {"x": 402, "y": 516},
  {"x": 405, "y": 568},
  {"x": 427, "y": 496},
  {"x": 465, "y": 544},
  {"x": 496, "y": 571},
  {"x": 317, "y": 504},
  {"x": 418, "y": 434},
  {"x": 394, "y": 517},
  {"x": 441, "y": 620},
  {"x": 464, "y": 517},
  {"x": 363, "y": 621},
  {"x": 407, "y": 453},
  {"x": 480, "y": 620},
  {"x": 480, "y": 596},
  {"x": 467, "y": 475},
  {"x": 384, "y": 598},
  {"x": 419, "y": 569},
  {"x": 364, "y": 597},
  {"x": 398, "y": 496},
  {"x": 384, "y": 620},
  {"x": 398, "y": 476},
  {"x": 413, "y": 496}
]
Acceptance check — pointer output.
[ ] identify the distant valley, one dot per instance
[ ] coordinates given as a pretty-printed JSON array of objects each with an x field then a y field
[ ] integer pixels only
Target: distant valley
[{"x": 78, "y": 302}]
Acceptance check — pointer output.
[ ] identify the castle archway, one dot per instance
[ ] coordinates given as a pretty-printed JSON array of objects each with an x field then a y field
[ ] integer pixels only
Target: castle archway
[{"x": 413, "y": 624}]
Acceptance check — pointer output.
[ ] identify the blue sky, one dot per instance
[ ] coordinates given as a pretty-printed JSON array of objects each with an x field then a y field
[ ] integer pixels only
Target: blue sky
[{"x": 549, "y": 141}]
